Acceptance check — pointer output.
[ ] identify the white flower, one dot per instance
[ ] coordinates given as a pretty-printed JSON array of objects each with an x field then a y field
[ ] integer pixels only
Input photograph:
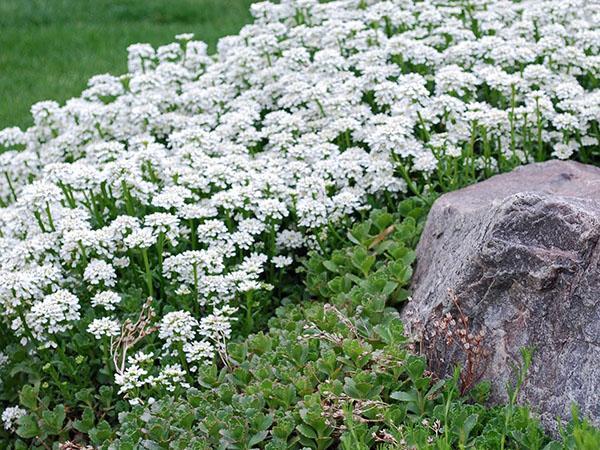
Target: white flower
[
  {"x": 104, "y": 327},
  {"x": 312, "y": 213},
  {"x": 10, "y": 416},
  {"x": 453, "y": 78},
  {"x": 171, "y": 377},
  {"x": 177, "y": 326},
  {"x": 56, "y": 313},
  {"x": 164, "y": 223},
  {"x": 140, "y": 57},
  {"x": 100, "y": 272},
  {"x": 217, "y": 326},
  {"x": 141, "y": 238},
  {"x": 212, "y": 230},
  {"x": 121, "y": 263},
  {"x": 198, "y": 352},
  {"x": 133, "y": 377},
  {"x": 12, "y": 136},
  {"x": 172, "y": 197},
  {"x": 282, "y": 261},
  {"x": 140, "y": 358},
  {"x": 425, "y": 162},
  {"x": 106, "y": 299},
  {"x": 289, "y": 239},
  {"x": 563, "y": 151},
  {"x": 184, "y": 36}
]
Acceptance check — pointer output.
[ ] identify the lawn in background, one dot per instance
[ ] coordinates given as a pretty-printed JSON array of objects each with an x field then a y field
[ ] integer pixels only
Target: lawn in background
[{"x": 50, "y": 48}]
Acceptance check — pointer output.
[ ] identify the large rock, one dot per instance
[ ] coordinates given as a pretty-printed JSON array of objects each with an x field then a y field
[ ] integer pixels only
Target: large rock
[{"x": 514, "y": 261}]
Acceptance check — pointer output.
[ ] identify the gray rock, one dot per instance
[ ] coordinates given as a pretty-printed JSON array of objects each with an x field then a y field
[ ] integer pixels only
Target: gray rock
[{"x": 515, "y": 262}]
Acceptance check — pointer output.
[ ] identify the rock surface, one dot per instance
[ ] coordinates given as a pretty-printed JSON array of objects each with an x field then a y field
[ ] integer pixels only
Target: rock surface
[{"x": 515, "y": 261}]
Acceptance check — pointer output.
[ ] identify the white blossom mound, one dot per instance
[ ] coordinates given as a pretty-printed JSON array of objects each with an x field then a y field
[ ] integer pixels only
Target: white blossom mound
[{"x": 194, "y": 176}]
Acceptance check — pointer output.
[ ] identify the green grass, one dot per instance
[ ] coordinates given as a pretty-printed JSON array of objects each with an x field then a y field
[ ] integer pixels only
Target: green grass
[{"x": 50, "y": 48}]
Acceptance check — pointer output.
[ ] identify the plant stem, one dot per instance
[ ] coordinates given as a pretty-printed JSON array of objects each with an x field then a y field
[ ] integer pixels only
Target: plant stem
[{"x": 148, "y": 273}]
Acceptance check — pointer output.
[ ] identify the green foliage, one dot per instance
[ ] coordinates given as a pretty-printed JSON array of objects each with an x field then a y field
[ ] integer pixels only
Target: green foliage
[
  {"x": 44, "y": 424},
  {"x": 337, "y": 372},
  {"x": 64, "y": 395}
]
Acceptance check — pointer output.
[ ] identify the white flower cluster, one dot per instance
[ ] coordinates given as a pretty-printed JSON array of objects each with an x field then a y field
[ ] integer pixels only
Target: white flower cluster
[
  {"x": 138, "y": 376},
  {"x": 192, "y": 175},
  {"x": 56, "y": 313},
  {"x": 10, "y": 416},
  {"x": 104, "y": 327},
  {"x": 192, "y": 342},
  {"x": 177, "y": 327},
  {"x": 106, "y": 299}
]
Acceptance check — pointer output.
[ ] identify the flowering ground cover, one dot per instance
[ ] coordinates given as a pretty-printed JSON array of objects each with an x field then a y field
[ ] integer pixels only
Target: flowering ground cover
[{"x": 227, "y": 235}]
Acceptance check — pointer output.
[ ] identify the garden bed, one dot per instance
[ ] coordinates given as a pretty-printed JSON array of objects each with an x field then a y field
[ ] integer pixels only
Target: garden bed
[{"x": 210, "y": 251}]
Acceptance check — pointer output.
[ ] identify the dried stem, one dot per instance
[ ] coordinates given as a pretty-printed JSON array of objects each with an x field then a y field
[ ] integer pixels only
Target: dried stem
[{"x": 131, "y": 334}]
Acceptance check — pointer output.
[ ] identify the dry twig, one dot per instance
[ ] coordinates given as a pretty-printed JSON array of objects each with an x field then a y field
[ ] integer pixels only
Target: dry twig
[{"x": 131, "y": 334}]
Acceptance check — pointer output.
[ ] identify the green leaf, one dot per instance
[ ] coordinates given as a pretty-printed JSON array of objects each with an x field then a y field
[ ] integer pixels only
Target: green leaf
[
  {"x": 126, "y": 444},
  {"x": 352, "y": 239},
  {"x": 352, "y": 390},
  {"x": 87, "y": 421},
  {"x": 259, "y": 343},
  {"x": 85, "y": 396},
  {"x": 401, "y": 295},
  {"x": 283, "y": 429},
  {"x": 23, "y": 367},
  {"x": 400, "y": 271},
  {"x": 100, "y": 433},
  {"x": 360, "y": 233},
  {"x": 28, "y": 396},
  {"x": 28, "y": 427},
  {"x": 382, "y": 219},
  {"x": 416, "y": 368},
  {"x": 553, "y": 446},
  {"x": 158, "y": 431},
  {"x": 435, "y": 388},
  {"x": 306, "y": 431},
  {"x": 20, "y": 445},
  {"x": 105, "y": 396},
  {"x": 391, "y": 333},
  {"x": 52, "y": 421},
  {"x": 258, "y": 437},
  {"x": 389, "y": 287},
  {"x": 263, "y": 423},
  {"x": 331, "y": 266},
  {"x": 337, "y": 285},
  {"x": 409, "y": 257},
  {"x": 353, "y": 278},
  {"x": 362, "y": 260},
  {"x": 404, "y": 396},
  {"x": 468, "y": 426}
]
